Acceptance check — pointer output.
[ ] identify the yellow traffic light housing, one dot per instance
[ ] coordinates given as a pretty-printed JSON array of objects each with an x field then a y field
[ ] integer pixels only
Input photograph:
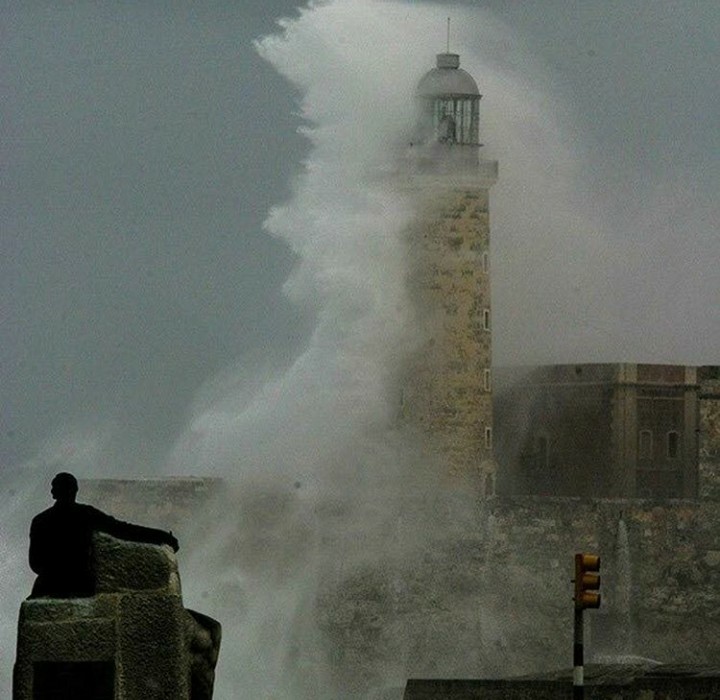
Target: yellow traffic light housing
[{"x": 587, "y": 581}]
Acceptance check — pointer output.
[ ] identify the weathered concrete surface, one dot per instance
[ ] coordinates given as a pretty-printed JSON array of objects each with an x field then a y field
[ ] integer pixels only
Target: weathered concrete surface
[
  {"x": 614, "y": 682},
  {"x": 135, "y": 632},
  {"x": 123, "y": 567}
]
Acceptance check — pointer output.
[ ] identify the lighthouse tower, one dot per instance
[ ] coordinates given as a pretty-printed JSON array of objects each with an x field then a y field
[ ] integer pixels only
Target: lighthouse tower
[{"x": 447, "y": 392}]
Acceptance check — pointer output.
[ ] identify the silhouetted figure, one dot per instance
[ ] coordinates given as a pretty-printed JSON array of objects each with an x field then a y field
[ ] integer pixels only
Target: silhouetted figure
[{"x": 61, "y": 542}]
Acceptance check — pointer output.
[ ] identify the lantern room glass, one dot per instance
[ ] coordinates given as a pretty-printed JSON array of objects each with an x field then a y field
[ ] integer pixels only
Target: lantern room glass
[{"x": 456, "y": 119}]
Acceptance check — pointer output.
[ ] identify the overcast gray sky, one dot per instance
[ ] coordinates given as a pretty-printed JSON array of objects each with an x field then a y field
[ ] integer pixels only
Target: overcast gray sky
[{"x": 144, "y": 144}]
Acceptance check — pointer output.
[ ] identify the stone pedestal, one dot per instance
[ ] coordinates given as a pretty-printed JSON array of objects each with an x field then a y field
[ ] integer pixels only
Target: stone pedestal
[{"x": 133, "y": 640}]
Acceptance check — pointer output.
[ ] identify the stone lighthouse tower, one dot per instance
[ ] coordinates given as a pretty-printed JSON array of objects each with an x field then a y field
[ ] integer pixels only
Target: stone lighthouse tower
[{"x": 447, "y": 391}]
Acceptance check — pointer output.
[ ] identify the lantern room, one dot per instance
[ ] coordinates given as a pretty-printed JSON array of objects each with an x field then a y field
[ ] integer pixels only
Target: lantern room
[{"x": 450, "y": 104}]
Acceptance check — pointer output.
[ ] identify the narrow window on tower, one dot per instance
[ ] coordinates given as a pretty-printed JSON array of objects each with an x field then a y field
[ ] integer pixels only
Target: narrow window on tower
[
  {"x": 488, "y": 438},
  {"x": 485, "y": 261},
  {"x": 645, "y": 446},
  {"x": 487, "y": 379},
  {"x": 486, "y": 319},
  {"x": 673, "y": 444},
  {"x": 542, "y": 449}
]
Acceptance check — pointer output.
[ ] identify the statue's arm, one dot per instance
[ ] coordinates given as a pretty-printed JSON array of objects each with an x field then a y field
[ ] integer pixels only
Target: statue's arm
[{"x": 131, "y": 532}]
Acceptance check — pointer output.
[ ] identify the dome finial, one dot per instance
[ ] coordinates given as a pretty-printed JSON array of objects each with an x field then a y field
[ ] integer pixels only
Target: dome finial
[{"x": 448, "y": 36}]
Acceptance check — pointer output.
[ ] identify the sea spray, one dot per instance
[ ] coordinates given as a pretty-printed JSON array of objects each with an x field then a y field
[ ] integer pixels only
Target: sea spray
[
  {"x": 327, "y": 591},
  {"x": 623, "y": 591}
]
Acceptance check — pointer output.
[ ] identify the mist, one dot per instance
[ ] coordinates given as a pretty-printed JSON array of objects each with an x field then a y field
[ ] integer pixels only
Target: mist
[
  {"x": 137, "y": 267},
  {"x": 206, "y": 268}
]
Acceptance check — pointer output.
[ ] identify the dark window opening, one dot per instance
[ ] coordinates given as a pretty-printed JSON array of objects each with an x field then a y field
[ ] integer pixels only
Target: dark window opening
[
  {"x": 72, "y": 680},
  {"x": 673, "y": 444}
]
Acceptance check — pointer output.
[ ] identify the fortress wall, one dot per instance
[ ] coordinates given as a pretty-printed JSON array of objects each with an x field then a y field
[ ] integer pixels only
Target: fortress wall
[
  {"x": 709, "y": 408},
  {"x": 486, "y": 591},
  {"x": 496, "y": 599},
  {"x": 674, "y": 580}
]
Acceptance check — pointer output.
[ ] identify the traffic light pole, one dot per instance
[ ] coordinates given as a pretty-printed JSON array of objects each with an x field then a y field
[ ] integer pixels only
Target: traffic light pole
[
  {"x": 578, "y": 657},
  {"x": 587, "y": 595}
]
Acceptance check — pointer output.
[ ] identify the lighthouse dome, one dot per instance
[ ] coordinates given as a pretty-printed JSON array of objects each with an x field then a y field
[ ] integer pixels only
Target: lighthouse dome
[{"x": 446, "y": 79}]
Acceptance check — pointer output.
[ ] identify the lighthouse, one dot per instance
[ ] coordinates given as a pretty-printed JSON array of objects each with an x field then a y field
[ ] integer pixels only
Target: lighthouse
[{"x": 447, "y": 389}]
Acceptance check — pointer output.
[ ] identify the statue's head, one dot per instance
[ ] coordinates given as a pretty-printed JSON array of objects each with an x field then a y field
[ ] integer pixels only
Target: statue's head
[{"x": 64, "y": 488}]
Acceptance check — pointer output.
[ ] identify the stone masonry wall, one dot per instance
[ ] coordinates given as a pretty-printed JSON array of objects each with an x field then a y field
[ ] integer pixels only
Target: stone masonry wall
[
  {"x": 709, "y": 453},
  {"x": 447, "y": 389},
  {"x": 459, "y": 587},
  {"x": 674, "y": 576},
  {"x": 489, "y": 594}
]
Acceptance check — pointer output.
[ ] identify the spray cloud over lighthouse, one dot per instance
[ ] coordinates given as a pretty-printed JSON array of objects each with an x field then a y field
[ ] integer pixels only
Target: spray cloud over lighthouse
[{"x": 329, "y": 430}]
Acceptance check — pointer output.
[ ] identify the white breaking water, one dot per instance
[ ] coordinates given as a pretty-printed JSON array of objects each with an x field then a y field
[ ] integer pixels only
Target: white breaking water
[{"x": 323, "y": 431}]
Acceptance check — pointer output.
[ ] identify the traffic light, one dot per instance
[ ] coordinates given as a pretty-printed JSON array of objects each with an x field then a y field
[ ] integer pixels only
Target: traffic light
[{"x": 587, "y": 581}]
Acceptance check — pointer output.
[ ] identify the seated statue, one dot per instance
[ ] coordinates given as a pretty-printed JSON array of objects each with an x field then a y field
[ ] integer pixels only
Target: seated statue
[
  {"x": 106, "y": 618},
  {"x": 61, "y": 542}
]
